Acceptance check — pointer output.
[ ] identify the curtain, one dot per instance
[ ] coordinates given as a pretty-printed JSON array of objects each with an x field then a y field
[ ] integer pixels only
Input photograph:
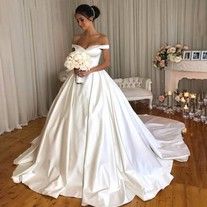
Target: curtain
[{"x": 35, "y": 37}]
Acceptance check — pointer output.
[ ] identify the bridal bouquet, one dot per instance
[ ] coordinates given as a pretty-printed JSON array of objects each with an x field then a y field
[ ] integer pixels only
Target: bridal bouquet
[
  {"x": 80, "y": 60},
  {"x": 168, "y": 53}
]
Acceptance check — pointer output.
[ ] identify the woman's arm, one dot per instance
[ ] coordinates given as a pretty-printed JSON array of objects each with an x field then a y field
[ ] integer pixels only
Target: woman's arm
[{"x": 105, "y": 63}]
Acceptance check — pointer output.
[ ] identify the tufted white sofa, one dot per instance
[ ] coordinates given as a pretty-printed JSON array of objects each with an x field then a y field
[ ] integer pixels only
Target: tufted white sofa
[{"x": 136, "y": 88}]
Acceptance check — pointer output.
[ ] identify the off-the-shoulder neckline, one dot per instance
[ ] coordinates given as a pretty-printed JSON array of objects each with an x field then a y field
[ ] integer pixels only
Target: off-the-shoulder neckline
[{"x": 89, "y": 46}]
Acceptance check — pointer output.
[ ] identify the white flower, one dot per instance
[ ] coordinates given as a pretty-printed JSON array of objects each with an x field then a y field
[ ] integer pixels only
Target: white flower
[
  {"x": 171, "y": 50},
  {"x": 171, "y": 57},
  {"x": 174, "y": 58},
  {"x": 182, "y": 99},
  {"x": 77, "y": 60},
  {"x": 178, "y": 59}
]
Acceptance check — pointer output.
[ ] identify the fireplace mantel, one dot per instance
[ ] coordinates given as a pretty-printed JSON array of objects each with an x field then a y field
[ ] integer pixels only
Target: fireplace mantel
[{"x": 185, "y": 69}]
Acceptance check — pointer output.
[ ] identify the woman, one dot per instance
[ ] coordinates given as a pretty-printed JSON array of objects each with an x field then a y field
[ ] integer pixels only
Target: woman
[{"x": 93, "y": 145}]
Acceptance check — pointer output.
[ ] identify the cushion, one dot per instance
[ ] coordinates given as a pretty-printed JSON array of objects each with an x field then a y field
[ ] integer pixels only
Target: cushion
[{"x": 136, "y": 92}]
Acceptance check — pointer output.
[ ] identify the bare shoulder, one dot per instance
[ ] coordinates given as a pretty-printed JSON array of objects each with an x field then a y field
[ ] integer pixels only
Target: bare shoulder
[
  {"x": 103, "y": 39},
  {"x": 76, "y": 38}
]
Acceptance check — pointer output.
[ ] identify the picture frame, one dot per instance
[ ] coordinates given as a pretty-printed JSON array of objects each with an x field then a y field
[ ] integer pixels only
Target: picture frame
[
  {"x": 204, "y": 55},
  {"x": 187, "y": 55},
  {"x": 196, "y": 55}
]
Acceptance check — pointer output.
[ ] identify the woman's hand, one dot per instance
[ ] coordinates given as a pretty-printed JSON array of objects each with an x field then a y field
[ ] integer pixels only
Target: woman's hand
[
  {"x": 81, "y": 73},
  {"x": 76, "y": 70}
]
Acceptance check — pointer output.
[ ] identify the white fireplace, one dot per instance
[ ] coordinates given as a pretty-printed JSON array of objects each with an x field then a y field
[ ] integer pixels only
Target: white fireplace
[{"x": 196, "y": 69}]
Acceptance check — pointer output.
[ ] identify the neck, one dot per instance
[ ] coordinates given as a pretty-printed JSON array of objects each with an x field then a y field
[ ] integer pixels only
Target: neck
[{"x": 90, "y": 31}]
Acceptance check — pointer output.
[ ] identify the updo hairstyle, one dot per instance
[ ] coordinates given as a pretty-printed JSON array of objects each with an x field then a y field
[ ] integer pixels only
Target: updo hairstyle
[{"x": 88, "y": 11}]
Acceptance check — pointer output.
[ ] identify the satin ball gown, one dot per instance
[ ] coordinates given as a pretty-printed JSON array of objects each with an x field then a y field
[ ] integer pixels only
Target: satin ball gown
[{"x": 95, "y": 147}]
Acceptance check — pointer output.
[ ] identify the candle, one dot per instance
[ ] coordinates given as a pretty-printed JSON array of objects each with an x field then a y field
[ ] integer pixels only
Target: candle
[
  {"x": 186, "y": 94},
  {"x": 184, "y": 130},
  {"x": 185, "y": 111},
  {"x": 169, "y": 93},
  {"x": 203, "y": 118},
  {"x": 182, "y": 100},
  {"x": 185, "y": 107},
  {"x": 169, "y": 101},
  {"x": 193, "y": 96}
]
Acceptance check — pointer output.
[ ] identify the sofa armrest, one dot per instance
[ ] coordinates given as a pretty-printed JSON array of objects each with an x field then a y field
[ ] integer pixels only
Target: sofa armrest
[{"x": 147, "y": 83}]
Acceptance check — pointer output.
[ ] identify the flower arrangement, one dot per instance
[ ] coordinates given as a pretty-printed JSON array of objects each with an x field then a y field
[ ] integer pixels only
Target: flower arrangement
[
  {"x": 168, "y": 53},
  {"x": 79, "y": 60}
]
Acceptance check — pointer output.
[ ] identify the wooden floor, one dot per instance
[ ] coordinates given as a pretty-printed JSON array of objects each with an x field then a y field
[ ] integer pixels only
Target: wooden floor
[{"x": 188, "y": 189}]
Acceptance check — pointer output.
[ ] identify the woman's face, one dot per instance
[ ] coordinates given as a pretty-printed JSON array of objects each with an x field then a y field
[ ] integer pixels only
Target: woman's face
[{"x": 82, "y": 21}]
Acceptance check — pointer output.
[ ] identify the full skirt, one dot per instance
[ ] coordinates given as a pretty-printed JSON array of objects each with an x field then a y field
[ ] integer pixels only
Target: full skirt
[{"x": 95, "y": 147}]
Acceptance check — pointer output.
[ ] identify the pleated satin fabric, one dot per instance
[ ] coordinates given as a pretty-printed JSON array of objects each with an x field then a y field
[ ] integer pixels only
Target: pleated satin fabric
[{"x": 94, "y": 146}]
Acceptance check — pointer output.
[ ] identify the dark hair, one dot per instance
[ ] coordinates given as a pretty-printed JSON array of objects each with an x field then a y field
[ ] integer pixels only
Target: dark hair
[{"x": 88, "y": 11}]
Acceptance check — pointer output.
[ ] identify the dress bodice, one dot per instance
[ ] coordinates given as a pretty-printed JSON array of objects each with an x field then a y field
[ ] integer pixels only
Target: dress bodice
[{"x": 94, "y": 51}]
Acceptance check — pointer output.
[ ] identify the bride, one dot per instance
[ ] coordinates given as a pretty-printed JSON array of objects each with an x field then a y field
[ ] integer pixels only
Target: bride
[{"x": 93, "y": 145}]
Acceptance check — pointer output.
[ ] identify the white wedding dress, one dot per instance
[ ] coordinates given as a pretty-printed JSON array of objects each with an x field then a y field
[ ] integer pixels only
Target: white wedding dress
[{"x": 95, "y": 147}]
